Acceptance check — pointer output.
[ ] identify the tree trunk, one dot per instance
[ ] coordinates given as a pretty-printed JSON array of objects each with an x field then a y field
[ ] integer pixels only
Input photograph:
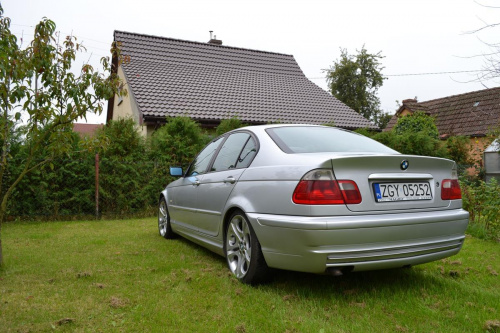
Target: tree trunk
[
  {"x": 1, "y": 253},
  {"x": 2, "y": 214}
]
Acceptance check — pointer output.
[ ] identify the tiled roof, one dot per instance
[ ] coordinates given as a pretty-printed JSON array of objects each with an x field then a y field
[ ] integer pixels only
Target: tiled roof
[
  {"x": 171, "y": 77},
  {"x": 472, "y": 114},
  {"x": 86, "y": 129}
]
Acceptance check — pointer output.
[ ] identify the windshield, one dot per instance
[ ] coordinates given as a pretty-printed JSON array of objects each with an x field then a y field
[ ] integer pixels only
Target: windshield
[{"x": 311, "y": 139}]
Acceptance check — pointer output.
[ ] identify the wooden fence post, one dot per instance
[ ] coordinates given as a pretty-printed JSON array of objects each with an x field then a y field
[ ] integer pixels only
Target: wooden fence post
[{"x": 97, "y": 186}]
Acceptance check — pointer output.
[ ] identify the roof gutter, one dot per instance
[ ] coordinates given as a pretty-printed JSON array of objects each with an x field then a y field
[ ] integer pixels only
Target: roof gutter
[{"x": 205, "y": 123}]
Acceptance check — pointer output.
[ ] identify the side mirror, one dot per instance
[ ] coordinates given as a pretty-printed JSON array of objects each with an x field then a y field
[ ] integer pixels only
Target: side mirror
[{"x": 176, "y": 171}]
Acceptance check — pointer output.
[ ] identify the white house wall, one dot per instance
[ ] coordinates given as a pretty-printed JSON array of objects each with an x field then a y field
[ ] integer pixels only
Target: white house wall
[{"x": 128, "y": 106}]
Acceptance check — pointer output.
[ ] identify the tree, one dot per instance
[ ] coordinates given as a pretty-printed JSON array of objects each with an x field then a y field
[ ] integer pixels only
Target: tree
[
  {"x": 355, "y": 80},
  {"x": 177, "y": 142},
  {"x": 124, "y": 168},
  {"x": 382, "y": 119},
  {"x": 39, "y": 90},
  {"x": 417, "y": 122},
  {"x": 491, "y": 69},
  {"x": 227, "y": 125}
]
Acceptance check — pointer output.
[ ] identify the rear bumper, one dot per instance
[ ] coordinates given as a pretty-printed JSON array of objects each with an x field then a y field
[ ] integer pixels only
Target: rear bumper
[{"x": 364, "y": 242}]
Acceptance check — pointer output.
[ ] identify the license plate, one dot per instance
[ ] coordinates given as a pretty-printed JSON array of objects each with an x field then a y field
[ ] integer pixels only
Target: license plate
[{"x": 402, "y": 191}]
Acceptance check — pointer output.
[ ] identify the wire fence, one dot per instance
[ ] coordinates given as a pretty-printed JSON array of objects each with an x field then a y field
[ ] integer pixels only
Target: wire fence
[{"x": 87, "y": 188}]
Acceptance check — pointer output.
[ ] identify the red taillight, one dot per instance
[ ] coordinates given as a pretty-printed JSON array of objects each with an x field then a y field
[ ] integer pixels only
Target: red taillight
[
  {"x": 350, "y": 191},
  {"x": 317, "y": 192},
  {"x": 450, "y": 189},
  {"x": 319, "y": 187}
]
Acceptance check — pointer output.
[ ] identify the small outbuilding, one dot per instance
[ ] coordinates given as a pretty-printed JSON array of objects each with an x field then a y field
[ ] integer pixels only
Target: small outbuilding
[{"x": 492, "y": 161}]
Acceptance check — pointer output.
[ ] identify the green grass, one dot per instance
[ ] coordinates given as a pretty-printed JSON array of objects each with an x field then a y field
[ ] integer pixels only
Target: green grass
[{"x": 121, "y": 276}]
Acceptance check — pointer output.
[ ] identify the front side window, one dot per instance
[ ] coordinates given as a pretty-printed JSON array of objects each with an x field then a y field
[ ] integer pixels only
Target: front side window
[
  {"x": 232, "y": 152},
  {"x": 201, "y": 161}
]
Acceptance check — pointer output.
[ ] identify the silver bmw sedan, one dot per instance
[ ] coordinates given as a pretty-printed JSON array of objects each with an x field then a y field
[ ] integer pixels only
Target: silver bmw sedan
[{"x": 314, "y": 199}]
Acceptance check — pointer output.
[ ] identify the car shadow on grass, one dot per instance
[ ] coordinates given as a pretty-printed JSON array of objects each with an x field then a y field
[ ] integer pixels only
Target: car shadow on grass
[
  {"x": 384, "y": 282},
  {"x": 288, "y": 282}
]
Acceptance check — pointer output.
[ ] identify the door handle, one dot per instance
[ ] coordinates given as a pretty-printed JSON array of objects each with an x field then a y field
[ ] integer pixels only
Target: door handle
[
  {"x": 196, "y": 183},
  {"x": 230, "y": 180}
]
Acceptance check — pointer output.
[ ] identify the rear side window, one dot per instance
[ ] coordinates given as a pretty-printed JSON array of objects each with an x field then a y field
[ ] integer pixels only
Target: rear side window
[
  {"x": 237, "y": 152},
  {"x": 247, "y": 154},
  {"x": 311, "y": 139}
]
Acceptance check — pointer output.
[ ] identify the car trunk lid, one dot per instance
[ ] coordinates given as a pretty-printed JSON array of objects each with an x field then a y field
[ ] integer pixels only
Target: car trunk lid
[{"x": 395, "y": 182}]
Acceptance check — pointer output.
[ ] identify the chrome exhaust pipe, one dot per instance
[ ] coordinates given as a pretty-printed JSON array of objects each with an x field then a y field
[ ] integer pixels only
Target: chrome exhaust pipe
[{"x": 335, "y": 271}]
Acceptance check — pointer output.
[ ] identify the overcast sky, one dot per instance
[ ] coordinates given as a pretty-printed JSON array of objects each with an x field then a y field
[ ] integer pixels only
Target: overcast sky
[{"x": 415, "y": 36}]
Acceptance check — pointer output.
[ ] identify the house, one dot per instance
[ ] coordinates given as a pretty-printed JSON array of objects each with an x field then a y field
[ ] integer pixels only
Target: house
[
  {"x": 475, "y": 114},
  {"x": 210, "y": 82},
  {"x": 86, "y": 129}
]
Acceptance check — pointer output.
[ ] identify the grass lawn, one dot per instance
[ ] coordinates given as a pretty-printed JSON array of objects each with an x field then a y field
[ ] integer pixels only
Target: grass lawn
[{"x": 121, "y": 276}]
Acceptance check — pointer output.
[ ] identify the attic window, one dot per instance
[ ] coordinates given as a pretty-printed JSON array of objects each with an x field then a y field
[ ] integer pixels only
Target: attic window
[{"x": 476, "y": 104}]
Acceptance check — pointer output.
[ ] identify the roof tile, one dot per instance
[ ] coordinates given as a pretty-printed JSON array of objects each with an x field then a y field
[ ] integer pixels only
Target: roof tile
[
  {"x": 171, "y": 77},
  {"x": 473, "y": 114}
]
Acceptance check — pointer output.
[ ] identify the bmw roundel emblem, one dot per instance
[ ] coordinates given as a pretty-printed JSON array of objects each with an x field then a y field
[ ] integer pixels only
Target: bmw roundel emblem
[{"x": 405, "y": 164}]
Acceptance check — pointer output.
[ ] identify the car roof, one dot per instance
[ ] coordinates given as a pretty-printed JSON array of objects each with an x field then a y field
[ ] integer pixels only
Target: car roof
[{"x": 261, "y": 128}]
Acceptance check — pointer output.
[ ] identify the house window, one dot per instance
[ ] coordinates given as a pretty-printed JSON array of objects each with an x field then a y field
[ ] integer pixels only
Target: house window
[
  {"x": 120, "y": 98},
  {"x": 476, "y": 104}
]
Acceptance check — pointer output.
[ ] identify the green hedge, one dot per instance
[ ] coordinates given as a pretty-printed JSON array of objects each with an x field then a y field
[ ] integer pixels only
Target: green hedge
[{"x": 132, "y": 172}]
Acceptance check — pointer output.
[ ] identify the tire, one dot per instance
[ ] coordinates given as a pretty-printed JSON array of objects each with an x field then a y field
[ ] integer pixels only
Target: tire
[
  {"x": 243, "y": 252},
  {"x": 164, "y": 227}
]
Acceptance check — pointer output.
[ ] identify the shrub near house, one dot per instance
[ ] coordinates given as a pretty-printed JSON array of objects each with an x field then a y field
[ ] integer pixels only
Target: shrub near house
[
  {"x": 131, "y": 172},
  {"x": 418, "y": 135}
]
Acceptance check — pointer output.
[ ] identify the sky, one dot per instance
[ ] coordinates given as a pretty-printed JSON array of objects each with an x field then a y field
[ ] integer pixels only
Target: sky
[{"x": 416, "y": 37}]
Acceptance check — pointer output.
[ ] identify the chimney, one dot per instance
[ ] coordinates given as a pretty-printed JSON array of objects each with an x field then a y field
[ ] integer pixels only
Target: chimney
[{"x": 214, "y": 40}]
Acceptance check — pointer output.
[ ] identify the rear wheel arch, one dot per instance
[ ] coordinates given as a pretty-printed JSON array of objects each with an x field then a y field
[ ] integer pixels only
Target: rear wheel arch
[
  {"x": 242, "y": 249},
  {"x": 227, "y": 218}
]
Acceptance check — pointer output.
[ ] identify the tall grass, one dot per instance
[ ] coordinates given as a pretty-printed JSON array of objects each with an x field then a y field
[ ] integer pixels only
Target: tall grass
[{"x": 103, "y": 276}]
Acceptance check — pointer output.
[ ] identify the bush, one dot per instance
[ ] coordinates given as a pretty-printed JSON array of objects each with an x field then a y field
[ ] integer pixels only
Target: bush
[
  {"x": 174, "y": 144},
  {"x": 482, "y": 200},
  {"x": 227, "y": 125},
  {"x": 177, "y": 142},
  {"x": 417, "y": 134},
  {"x": 132, "y": 172},
  {"x": 412, "y": 143},
  {"x": 458, "y": 148},
  {"x": 124, "y": 170},
  {"x": 417, "y": 122},
  {"x": 56, "y": 189},
  {"x": 121, "y": 140},
  {"x": 366, "y": 132}
]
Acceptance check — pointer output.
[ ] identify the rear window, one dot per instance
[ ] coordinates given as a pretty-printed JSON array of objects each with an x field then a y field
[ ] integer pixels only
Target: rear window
[{"x": 310, "y": 139}]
